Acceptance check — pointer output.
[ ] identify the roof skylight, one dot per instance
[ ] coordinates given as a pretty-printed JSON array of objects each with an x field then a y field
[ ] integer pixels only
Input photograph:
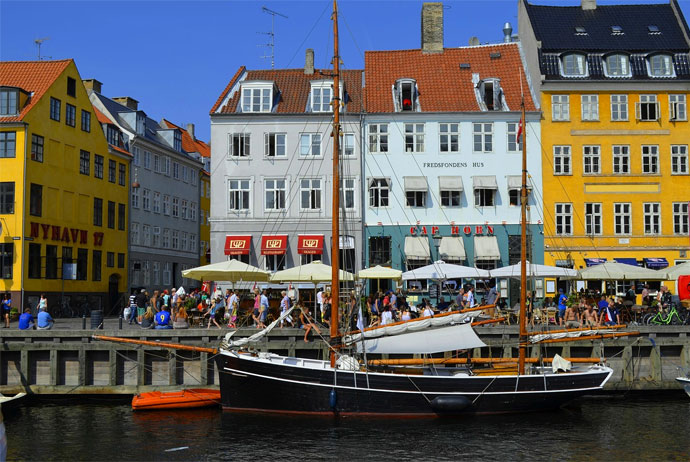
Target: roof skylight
[
  {"x": 653, "y": 29},
  {"x": 616, "y": 30},
  {"x": 580, "y": 30}
]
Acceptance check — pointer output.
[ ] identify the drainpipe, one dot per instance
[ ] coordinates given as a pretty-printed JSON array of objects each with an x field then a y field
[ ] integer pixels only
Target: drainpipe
[{"x": 24, "y": 212}]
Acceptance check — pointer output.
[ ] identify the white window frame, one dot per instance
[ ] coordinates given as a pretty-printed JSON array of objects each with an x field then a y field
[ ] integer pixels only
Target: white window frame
[
  {"x": 274, "y": 142},
  {"x": 678, "y": 109},
  {"x": 192, "y": 211},
  {"x": 349, "y": 188},
  {"x": 321, "y": 97},
  {"x": 175, "y": 240},
  {"x": 166, "y": 204},
  {"x": 166, "y": 165},
  {"x": 484, "y": 197},
  {"x": 274, "y": 263},
  {"x": 176, "y": 170},
  {"x": 483, "y": 137},
  {"x": 378, "y": 138},
  {"x": 563, "y": 219},
  {"x": 135, "y": 198},
  {"x": 175, "y": 207},
  {"x": 347, "y": 145},
  {"x": 650, "y": 159},
  {"x": 414, "y": 138},
  {"x": 621, "y": 159},
  {"x": 680, "y": 218},
  {"x": 156, "y": 235},
  {"x": 447, "y": 196},
  {"x": 239, "y": 195},
  {"x": 239, "y": 145},
  {"x": 647, "y": 102},
  {"x": 591, "y": 160},
  {"x": 310, "y": 145},
  {"x": 399, "y": 89},
  {"x": 617, "y": 65},
  {"x": 146, "y": 200},
  {"x": 166, "y": 238},
  {"x": 146, "y": 235},
  {"x": 192, "y": 243},
  {"x": 276, "y": 190},
  {"x": 622, "y": 218},
  {"x": 134, "y": 233},
  {"x": 257, "y": 98},
  {"x": 183, "y": 241},
  {"x": 578, "y": 61},
  {"x": 589, "y": 108},
  {"x": 184, "y": 207},
  {"x": 156, "y": 202},
  {"x": 315, "y": 194},
  {"x": 560, "y": 108},
  {"x": 157, "y": 163},
  {"x": 660, "y": 65},
  {"x": 593, "y": 217},
  {"x": 449, "y": 136},
  {"x": 652, "y": 218},
  {"x": 514, "y": 145},
  {"x": 562, "y": 160},
  {"x": 156, "y": 270},
  {"x": 416, "y": 199},
  {"x": 376, "y": 188},
  {"x": 619, "y": 108},
  {"x": 147, "y": 160},
  {"x": 679, "y": 159},
  {"x": 167, "y": 273}
]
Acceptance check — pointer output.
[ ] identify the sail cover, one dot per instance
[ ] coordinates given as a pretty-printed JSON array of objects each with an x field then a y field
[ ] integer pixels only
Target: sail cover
[{"x": 454, "y": 337}]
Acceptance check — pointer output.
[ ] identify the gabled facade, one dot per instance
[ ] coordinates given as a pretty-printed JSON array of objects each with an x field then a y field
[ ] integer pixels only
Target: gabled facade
[
  {"x": 614, "y": 83},
  {"x": 271, "y": 167},
  {"x": 63, "y": 192},
  {"x": 164, "y": 194}
]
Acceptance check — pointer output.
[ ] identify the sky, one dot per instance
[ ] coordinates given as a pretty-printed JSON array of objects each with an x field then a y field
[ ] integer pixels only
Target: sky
[{"x": 176, "y": 56}]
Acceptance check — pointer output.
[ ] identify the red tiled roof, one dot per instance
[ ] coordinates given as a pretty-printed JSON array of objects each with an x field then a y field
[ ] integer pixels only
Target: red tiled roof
[
  {"x": 294, "y": 86},
  {"x": 31, "y": 76},
  {"x": 443, "y": 85},
  {"x": 119, "y": 149},
  {"x": 227, "y": 88},
  {"x": 102, "y": 118},
  {"x": 190, "y": 144}
]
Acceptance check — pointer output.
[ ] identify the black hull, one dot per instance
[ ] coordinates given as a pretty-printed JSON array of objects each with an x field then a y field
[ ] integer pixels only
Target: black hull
[{"x": 248, "y": 384}]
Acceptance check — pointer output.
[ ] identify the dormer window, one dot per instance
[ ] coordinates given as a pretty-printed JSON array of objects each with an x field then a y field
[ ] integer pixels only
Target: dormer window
[
  {"x": 177, "y": 141},
  {"x": 405, "y": 95},
  {"x": 257, "y": 97},
  {"x": 617, "y": 66},
  {"x": 491, "y": 95},
  {"x": 653, "y": 30},
  {"x": 9, "y": 101},
  {"x": 660, "y": 66},
  {"x": 141, "y": 123},
  {"x": 580, "y": 30},
  {"x": 321, "y": 96},
  {"x": 574, "y": 65},
  {"x": 617, "y": 30}
]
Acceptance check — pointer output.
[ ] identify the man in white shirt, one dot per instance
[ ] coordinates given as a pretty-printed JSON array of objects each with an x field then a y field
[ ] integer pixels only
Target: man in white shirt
[
  {"x": 470, "y": 296},
  {"x": 319, "y": 300}
]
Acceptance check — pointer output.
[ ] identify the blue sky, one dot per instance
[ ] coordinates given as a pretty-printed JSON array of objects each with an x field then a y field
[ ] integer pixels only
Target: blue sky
[{"x": 176, "y": 56}]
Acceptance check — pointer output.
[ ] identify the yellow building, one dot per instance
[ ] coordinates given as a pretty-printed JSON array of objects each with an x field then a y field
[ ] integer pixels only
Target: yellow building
[
  {"x": 614, "y": 83},
  {"x": 64, "y": 193}
]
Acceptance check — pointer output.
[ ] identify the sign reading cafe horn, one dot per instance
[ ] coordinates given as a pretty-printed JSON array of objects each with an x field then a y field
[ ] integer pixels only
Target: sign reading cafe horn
[{"x": 479, "y": 230}]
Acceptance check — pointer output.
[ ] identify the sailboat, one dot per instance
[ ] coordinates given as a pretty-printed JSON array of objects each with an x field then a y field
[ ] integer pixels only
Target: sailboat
[{"x": 252, "y": 381}]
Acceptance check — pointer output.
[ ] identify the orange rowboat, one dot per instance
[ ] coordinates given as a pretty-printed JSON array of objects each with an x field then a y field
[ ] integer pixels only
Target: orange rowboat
[{"x": 193, "y": 397}]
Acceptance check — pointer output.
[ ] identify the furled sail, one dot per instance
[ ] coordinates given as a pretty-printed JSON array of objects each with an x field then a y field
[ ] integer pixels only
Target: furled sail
[
  {"x": 228, "y": 342},
  {"x": 433, "y": 340},
  {"x": 568, "y": 334}
]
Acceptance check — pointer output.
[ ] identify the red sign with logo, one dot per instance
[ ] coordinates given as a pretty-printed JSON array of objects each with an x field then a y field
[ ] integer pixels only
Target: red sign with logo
[
  {"x": 310, "y": 245},
  {"x": 237, "y": 245},
  {"x": 274, "y": 245}
]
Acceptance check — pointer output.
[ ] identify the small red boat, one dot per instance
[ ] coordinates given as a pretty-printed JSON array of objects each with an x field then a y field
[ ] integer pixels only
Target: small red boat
[{"x": 193, "y": 397}]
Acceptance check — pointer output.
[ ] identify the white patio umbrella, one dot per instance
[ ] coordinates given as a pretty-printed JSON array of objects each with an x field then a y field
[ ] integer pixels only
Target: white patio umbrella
[
  {"x": 613, "y": 271},
  {"x": 673, "y": 272},
  {"x": 513, "y": 271},
  {"x": 442, "y": 270},
  {"x": 315, "y": 271},
  {"x": 230, "y": 270},
  {"x": 380, "y": 272}
]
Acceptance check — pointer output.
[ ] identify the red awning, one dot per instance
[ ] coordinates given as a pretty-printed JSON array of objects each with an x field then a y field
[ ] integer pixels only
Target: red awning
[
  {"x": 274, "y": 245},
  {"x": 310, "y": 244},
  {"x": 237, "y": 245}
]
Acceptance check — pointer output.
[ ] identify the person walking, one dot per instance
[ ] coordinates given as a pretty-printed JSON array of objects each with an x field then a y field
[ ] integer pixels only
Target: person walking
[{"x": 6, "y": 308}]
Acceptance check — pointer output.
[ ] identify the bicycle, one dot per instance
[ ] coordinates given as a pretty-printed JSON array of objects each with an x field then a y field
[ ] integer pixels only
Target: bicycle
[{"x": 662, "y": 317}]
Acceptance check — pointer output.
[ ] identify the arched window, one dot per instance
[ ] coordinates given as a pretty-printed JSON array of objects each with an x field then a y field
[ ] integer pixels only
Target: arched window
[
  {"x": 660, "y": 66},
  {"x": 617, "y": 65},
  {"x": 574, "y": 65}
]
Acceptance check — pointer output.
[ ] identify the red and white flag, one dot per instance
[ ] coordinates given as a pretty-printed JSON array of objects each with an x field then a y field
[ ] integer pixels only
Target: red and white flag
[{"x": 519, "y": 132}]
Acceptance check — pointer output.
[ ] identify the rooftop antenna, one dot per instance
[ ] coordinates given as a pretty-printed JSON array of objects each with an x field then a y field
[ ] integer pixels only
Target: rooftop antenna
[
  {"x": 272, "y": 35},
  {"x": 38, "y": 43}
]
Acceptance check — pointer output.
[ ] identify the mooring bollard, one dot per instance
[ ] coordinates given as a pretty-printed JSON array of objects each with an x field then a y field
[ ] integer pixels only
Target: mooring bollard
[
  {"x": 83, "y": 322},
  {"x": 120, "y": 323}
]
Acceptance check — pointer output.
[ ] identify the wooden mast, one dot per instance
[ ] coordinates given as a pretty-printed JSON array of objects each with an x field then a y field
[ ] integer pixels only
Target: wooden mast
[
  {"x": 335, "y": 241},
  {"x": 523, "y": 246}
]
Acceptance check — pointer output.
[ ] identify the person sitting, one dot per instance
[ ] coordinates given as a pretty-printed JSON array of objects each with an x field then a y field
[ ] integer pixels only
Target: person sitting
[
  {"x": 26, "y": 321},
  {"x": 163, "y": 319},
  {"x": 386, "y": 316},
  {"x": 45, "y": 321},
  {"x": 307, "y": 324},
  {"x": 572, "y": 317},
  {"x": 603, "y": 304},
  {"x": 589, "y": 316},
  {"x": 428, "y": 311},
  {"x": 374, "y": 321},
  {"x": 181, "y": 319},
  {"x": 147, "y": 321},
  {"x": 609, "y": 316},
  {"x": 406, "y": 315}
]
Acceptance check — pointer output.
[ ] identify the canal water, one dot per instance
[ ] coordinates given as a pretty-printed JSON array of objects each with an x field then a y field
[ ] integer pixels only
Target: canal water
[{"x": 611, "y": 428}]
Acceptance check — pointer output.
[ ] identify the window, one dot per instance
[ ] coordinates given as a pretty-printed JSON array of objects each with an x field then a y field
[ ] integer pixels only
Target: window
[
  {"x": 36, "y": 200},
  {"x": 616, "y": 66},
  {"x": 70, "y": 115},
  {"x": 167, "y": 273},
  {"x": 34, "y": 261},
  {"x": 146, "y": 235},
  {"x": 166, "y": 238},
  {"x": 380, "y": 250},
  {"x": 574, "y": 65},
  {"x": 514, "y": 145},
  {"x": 120, "y": 260},
  {"x": 134, "y": 234},
  {"x": 192, "y": 242},
  {"x": 8, "y": 144},
  {"x": 414, "y": 137},
  {"x": 112, "y": 135},
  {"x": 274, "y": 145},
  {"x": 51, "y": 262},
  {"x": 514, "y": 197},
  {"x": 652, "y": 218},
  {"x": 96, "y": 265},
  {"x": 564, "y": 219},
  {"x": 483, "y": 137},
  {"x": 238, "y": 199},
  {"x": 98, "y": 166},
  {"x": 274, "y": 262},
  {"x": 135, "y": 198},
  {"x": 185, "y": 174},
  {"x": 9, "y": 102},
  {"x": 256, "y": 99},
  {"x": 490, "y": 94},
  {"x": 136, "y": 155},
  {"x": 84, "y": 162},
  {"x": 146, "y": 272},
  {"x": 321, "y": 97},
  {"x": 37, "y": 148},
  {"x": 112, "y": 170},
  {"x": 650, "y": 159},
  {"x": 275, "y": 195},
  {"x": 166, "y": 205},
  {"x": 6, "y": 260},
  {"x": 175, "y": 239},
  {"x": 593, "y": 219},
  {"x": 193, "y": 175},
  {"x": 619, "y": 108},
  {"x": 97, "y": 211},
  {"x": 310, "y": 144},
  {"x": 347, "y": 145},
  {"x": 85, "y": 121},
  {"x": 166, "y": 165},
  {"x": 660, "y": 66},
  {"x": 192, "y": 211},
  {"x": 121, "y": 217},
  {"x": 156, "y": 270},
  {"x": 184, "y": 209},
  {"x": 647, "y": 109},
  {"x": 592, "y": 160},
  {"x": 561, "y": 160},
  {"x": 679, "y": 159},
  {"x": 405, "y": 95},
  {"x": 621, "y": 218},
  {"x": 157, "y": 163},
  {"x": 147, "y": 160},
  {"x": 156, "y": 202},
  {"x": 348, "y": 187},
  {"x": 183, "y": 241},
  {"x": 378, "y": 138},
  {"x": 590, "y": 107},
  {"x": 176, "y": 170},
  {"x": 449, "y": 137},
  {"x": 122, "y": 174},
  {"x": 415, "y": 198},
  {"x": 7, "y": 198},
  {"x": 560, "y": 107},
  {"x": 450, "y": 197},
  {"x": 310, "y": 194},
  {"x": 71, "y": 87},
  {"x": 156, "y": 236},
  {"x": 146, "y": 199},
  {"x": 484, "y": 197},
  {"x": 111, "y": 214},
  {"x": 177, "y": 141},
  {"x": 175, "y": 207},
  {"x": 621, "y": 159},
  {"x": 55, "y": 109},
  {"x": 677, "y": 107},
  {"x": 680, "y": 218},
  {"x": 379, "y": 190}
]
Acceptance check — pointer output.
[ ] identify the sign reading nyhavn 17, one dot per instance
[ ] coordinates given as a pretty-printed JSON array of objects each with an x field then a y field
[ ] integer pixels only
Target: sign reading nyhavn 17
[{"x": 64, "y": 234}]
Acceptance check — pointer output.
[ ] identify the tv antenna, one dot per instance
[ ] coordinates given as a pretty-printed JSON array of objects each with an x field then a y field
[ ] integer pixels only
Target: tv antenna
[
  {"x": 38, "y": 43},
  {"x": 272, "y": 35}
]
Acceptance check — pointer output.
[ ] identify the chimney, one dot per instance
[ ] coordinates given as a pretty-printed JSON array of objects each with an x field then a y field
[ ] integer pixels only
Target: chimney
[
  {"x": 309, "y": 62},
  {"x": 93, "y": 85},
  {"x": 127, "y": 101},
  {"x": 190, "y": 130},
  {"x": 589, "y": 4},
  {"x": 507, "y": 33},
  {"x": 432, "y": 27}
]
